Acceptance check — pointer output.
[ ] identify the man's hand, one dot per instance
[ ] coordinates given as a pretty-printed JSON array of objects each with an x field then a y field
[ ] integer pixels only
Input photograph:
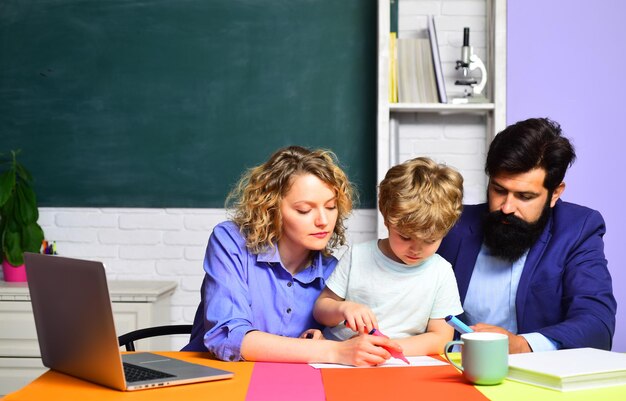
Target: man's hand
[{"x": 517, "y": 344}]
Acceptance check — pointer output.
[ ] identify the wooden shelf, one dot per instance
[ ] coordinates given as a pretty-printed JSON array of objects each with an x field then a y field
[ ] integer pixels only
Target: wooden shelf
[{"x": 440, "y": 107}]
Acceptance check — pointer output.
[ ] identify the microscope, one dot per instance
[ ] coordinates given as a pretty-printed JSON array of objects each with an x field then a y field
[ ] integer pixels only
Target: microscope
[{"x": 469, "y": 62}]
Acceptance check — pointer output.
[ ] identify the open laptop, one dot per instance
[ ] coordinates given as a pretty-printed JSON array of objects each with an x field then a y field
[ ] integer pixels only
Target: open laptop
[{"x": 76, "y": 332}]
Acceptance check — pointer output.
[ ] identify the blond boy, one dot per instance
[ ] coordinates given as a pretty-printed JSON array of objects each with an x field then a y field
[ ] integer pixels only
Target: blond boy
[{"x": 399, "y": 285}]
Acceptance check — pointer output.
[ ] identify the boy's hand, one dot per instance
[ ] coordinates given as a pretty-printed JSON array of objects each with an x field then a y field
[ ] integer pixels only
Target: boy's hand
[{"x": 359, "y": 317}]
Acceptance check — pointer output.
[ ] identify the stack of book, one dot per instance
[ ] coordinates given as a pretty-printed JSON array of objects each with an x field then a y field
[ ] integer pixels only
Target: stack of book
[
  {"x": 434, "y": 44},
  {"x": 393, "y": 53},
  {"x": 569, "y": 369},
  {"x": 415, "y": 68},
  {"x": 416, "y": 74},
  {"x": 393, "y": 67}
]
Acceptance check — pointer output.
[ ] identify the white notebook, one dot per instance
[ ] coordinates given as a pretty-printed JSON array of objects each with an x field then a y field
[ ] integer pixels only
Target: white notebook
[{"x": 569, "y": 369}]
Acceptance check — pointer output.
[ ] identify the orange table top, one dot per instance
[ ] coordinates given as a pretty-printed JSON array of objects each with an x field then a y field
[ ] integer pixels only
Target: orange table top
[{"x": 284, "y": 381}]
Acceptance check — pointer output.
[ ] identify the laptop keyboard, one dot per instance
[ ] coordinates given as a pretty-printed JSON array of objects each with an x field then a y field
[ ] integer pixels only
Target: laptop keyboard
[{"x": 136, "y": 373}]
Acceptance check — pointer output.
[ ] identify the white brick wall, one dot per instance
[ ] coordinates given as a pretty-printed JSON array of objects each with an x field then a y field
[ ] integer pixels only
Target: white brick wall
[
  {"x": 154, "y": 244},
  {"x": 456, "y": 140}
]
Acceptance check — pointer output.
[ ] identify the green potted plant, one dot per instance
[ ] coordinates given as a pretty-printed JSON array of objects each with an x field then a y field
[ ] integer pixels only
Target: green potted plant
[{"x": 19, "y": 231}]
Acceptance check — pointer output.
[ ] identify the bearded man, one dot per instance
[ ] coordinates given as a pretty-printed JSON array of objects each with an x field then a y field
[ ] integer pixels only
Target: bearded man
[{"x": 528, "y": 264}]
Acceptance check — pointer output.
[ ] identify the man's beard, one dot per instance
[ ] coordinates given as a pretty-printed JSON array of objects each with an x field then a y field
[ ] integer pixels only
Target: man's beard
[{"x": 510, "y": 241}]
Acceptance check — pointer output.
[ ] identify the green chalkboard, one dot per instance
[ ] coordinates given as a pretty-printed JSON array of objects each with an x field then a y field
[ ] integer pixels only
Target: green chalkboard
[{"x": 164, "y": 103}]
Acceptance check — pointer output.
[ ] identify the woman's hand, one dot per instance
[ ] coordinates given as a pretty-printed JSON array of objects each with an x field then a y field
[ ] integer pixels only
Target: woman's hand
[
  {"x": 365, "y": 350},
  {"x": 312, "y": 334}
]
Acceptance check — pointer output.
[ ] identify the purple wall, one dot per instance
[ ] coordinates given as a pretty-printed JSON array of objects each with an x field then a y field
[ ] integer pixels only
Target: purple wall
[{"x": 566, "y": 60}]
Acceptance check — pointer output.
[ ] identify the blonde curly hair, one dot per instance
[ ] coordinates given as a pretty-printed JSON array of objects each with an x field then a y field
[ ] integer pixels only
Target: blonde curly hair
[
  {"x": 421, "y": 198},
  {"x": 254, "y": 202}
]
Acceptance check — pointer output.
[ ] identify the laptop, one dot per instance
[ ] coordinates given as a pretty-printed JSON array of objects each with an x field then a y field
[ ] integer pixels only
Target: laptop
[{"x": 76, "y": 332}]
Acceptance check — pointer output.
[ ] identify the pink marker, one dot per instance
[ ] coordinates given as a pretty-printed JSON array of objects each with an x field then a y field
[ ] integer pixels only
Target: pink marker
[{"x": 393, "y": 353}]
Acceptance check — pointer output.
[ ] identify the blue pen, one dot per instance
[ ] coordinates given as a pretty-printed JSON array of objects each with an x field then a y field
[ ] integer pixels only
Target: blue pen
[{"x": 458, "y": 325}]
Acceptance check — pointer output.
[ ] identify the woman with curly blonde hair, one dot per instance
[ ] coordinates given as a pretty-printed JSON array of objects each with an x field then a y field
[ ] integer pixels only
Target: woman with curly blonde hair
[
  {"x": 267, "y": 265},
  {"x": 257, "y": 196}
]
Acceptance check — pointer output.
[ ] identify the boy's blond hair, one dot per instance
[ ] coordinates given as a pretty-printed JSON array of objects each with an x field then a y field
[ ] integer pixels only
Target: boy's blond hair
[{"x": 421, "y": 198}]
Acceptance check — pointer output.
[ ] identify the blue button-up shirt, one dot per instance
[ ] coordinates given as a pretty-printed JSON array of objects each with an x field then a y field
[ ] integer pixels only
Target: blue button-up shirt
[
  {"x": 242, "y": 292},
  {"x": 491, "y": 296}
]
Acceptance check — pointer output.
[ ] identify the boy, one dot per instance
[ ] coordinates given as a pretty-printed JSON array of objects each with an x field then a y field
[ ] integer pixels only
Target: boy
[{"x": 399, "y": 284}]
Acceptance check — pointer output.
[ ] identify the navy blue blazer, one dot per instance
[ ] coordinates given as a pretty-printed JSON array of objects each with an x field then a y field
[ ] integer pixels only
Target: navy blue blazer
[{"x": 565, "y": 290}]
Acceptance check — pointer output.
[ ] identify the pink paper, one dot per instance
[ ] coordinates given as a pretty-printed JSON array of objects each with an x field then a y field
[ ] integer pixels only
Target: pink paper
[{"x": 285, "y": 381}]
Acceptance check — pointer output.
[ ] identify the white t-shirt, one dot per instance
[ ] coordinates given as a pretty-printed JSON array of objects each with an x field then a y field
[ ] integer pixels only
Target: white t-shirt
[{"x": 402, "y": 297}]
